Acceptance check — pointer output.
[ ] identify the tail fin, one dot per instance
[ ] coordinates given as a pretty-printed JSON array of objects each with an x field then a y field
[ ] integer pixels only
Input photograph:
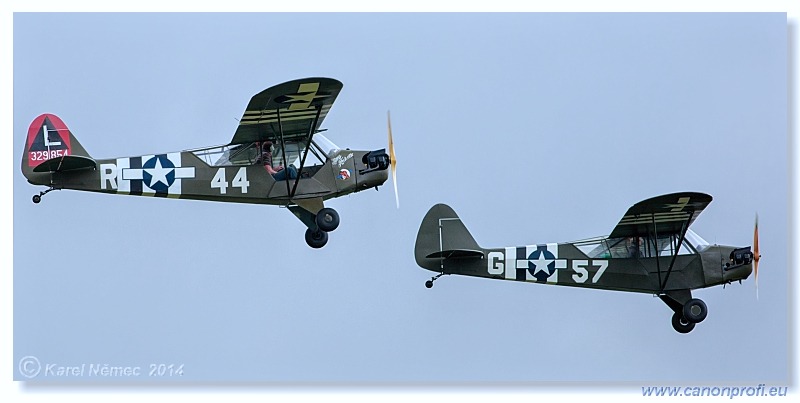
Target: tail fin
[
  {"x": 50, "y": 140},
  {"x": 442, "y": 235}
]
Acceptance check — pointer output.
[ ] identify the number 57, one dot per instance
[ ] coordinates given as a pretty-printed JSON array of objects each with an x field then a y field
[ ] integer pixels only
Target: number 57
[{"x": 582, "y": 274}]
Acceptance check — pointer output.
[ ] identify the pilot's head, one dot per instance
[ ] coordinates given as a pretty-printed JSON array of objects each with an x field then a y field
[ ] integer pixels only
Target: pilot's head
[{"x": 267, "y": 147}]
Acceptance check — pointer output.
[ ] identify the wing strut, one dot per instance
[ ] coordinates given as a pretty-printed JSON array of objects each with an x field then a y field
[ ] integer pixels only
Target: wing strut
[
  {"x": 283, "y": 149},
  {"x": 305, "y": 153},
  {"x": 684, "y": 227},
  {"x": 655, "y": 249}
]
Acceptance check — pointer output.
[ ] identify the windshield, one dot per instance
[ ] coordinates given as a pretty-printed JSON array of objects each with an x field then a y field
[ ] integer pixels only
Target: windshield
[
  {"x": 327, "y": 147},
  {"x": 695, "y": 240}
]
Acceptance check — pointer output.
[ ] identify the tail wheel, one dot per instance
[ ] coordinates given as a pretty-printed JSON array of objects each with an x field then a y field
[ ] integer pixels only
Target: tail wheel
[
  {"x": 327, "y": 219},
  {"x": 681, "y": 324},
  {"x": 316, "y": 239},
  {"x": 695, "y": 310}
]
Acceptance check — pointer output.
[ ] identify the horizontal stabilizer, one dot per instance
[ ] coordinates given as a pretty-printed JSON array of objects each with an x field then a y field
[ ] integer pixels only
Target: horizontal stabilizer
[
  {"x": 456, "y": 254},
  {"x": 66, "y": 163}
]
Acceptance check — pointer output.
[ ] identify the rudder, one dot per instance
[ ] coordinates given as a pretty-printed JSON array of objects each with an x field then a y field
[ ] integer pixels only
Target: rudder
[
  {"x": 48, "y": 137},
  {"x": 442, "y": 235}
]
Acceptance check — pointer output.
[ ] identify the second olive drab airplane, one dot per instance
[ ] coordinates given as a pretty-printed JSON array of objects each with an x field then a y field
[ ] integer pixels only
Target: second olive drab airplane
[
  {"x": 651, "y": 250},
  {"x": 281, "y": 125}
]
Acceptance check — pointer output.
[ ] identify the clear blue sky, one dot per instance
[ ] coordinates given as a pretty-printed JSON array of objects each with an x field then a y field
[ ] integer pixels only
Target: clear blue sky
[{"x": 534, "y": 127}]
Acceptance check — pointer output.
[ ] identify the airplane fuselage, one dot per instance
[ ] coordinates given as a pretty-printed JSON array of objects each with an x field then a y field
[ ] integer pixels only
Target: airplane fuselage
[
  {"x": 183, "y": 175},
  {"x": 564, "y": 264}
]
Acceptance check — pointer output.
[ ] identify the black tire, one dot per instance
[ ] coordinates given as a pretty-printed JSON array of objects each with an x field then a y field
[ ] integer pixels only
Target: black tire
[
  {"x": 37, "y": 199},
  {"x": 327, "y": 219},
  {"x": 316, "y": 239},
  {"x": 680, "y": 324},
  {"x": 429, "y": 284},
  {"x": 695, "y": 310}
]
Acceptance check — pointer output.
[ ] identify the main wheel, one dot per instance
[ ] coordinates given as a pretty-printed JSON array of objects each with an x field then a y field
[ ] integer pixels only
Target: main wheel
[
  {"x": 695, "y": 310},
  {"x": 680, "y": 323},
  {"x": 429, "y": 284},
  {"x": 327, "y": 219},
  {"x": 37, "y": 198},
  {"x": 316, "y": 239}
]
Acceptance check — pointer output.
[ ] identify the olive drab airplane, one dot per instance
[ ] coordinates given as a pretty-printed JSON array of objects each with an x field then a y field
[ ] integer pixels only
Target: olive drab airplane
[
  {"x": 280, "y": 125},
  {"x": 651, "y": 250}
]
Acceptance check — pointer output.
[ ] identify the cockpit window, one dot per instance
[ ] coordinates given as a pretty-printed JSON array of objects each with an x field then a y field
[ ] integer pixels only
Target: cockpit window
[
  {"x": 635, "y": 247},
  {"x": 232, "y": 154},
  {"x": 247, "y": 154},
  {"x": 294, "y": 154}
]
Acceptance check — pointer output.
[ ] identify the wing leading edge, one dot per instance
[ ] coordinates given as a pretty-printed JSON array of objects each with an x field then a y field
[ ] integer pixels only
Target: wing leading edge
[
  {"x": 662, "y": 215},
  {"x": 290, "y": 109}
]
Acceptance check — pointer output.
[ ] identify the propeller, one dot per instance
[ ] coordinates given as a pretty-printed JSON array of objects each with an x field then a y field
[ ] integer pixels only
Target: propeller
[
  {"x": 392, "y": 158},
  {"x": 756, "y": 255}
]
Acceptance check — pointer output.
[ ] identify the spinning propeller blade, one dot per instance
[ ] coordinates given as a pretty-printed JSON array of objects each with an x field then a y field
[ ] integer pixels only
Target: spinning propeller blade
[
  {"x": 392, "y": 159},
  {"x": 756, "y": 255}
]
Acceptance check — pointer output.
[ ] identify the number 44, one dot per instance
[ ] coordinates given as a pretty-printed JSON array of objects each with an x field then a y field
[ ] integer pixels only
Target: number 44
[
  {"x": 239, "y": 181},
  {"x": 582, "y": 274}
]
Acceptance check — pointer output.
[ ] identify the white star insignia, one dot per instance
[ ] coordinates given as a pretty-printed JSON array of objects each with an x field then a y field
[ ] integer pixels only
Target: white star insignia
[
  {"x": 541, "y": 264},
  {"x": 159, "y": 174}
]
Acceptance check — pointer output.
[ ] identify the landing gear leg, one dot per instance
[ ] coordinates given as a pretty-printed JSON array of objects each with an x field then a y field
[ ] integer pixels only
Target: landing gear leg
[
  {"x": 429, "y": 283},
  {"x": 38, "y": 198}
]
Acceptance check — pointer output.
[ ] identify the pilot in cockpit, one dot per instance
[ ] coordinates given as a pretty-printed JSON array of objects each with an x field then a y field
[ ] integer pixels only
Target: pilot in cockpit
[
  {"x": 277, "y": 172},
  {"x": 633, "y": 247}
]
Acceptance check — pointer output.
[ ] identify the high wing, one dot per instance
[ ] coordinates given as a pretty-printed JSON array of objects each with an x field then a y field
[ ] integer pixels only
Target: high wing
[
  {"x": 661, "y": 215},
  {"x": 290, "y": 111}
]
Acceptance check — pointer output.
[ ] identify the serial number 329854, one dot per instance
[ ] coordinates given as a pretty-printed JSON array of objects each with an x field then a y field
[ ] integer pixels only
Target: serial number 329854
[{"x": 45, "y": 155}]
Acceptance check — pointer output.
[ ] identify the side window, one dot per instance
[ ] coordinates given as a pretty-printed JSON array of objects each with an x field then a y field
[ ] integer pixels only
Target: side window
[
  {"x": 294, "y": 153},
  {"x": 229, "y": 155}
]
